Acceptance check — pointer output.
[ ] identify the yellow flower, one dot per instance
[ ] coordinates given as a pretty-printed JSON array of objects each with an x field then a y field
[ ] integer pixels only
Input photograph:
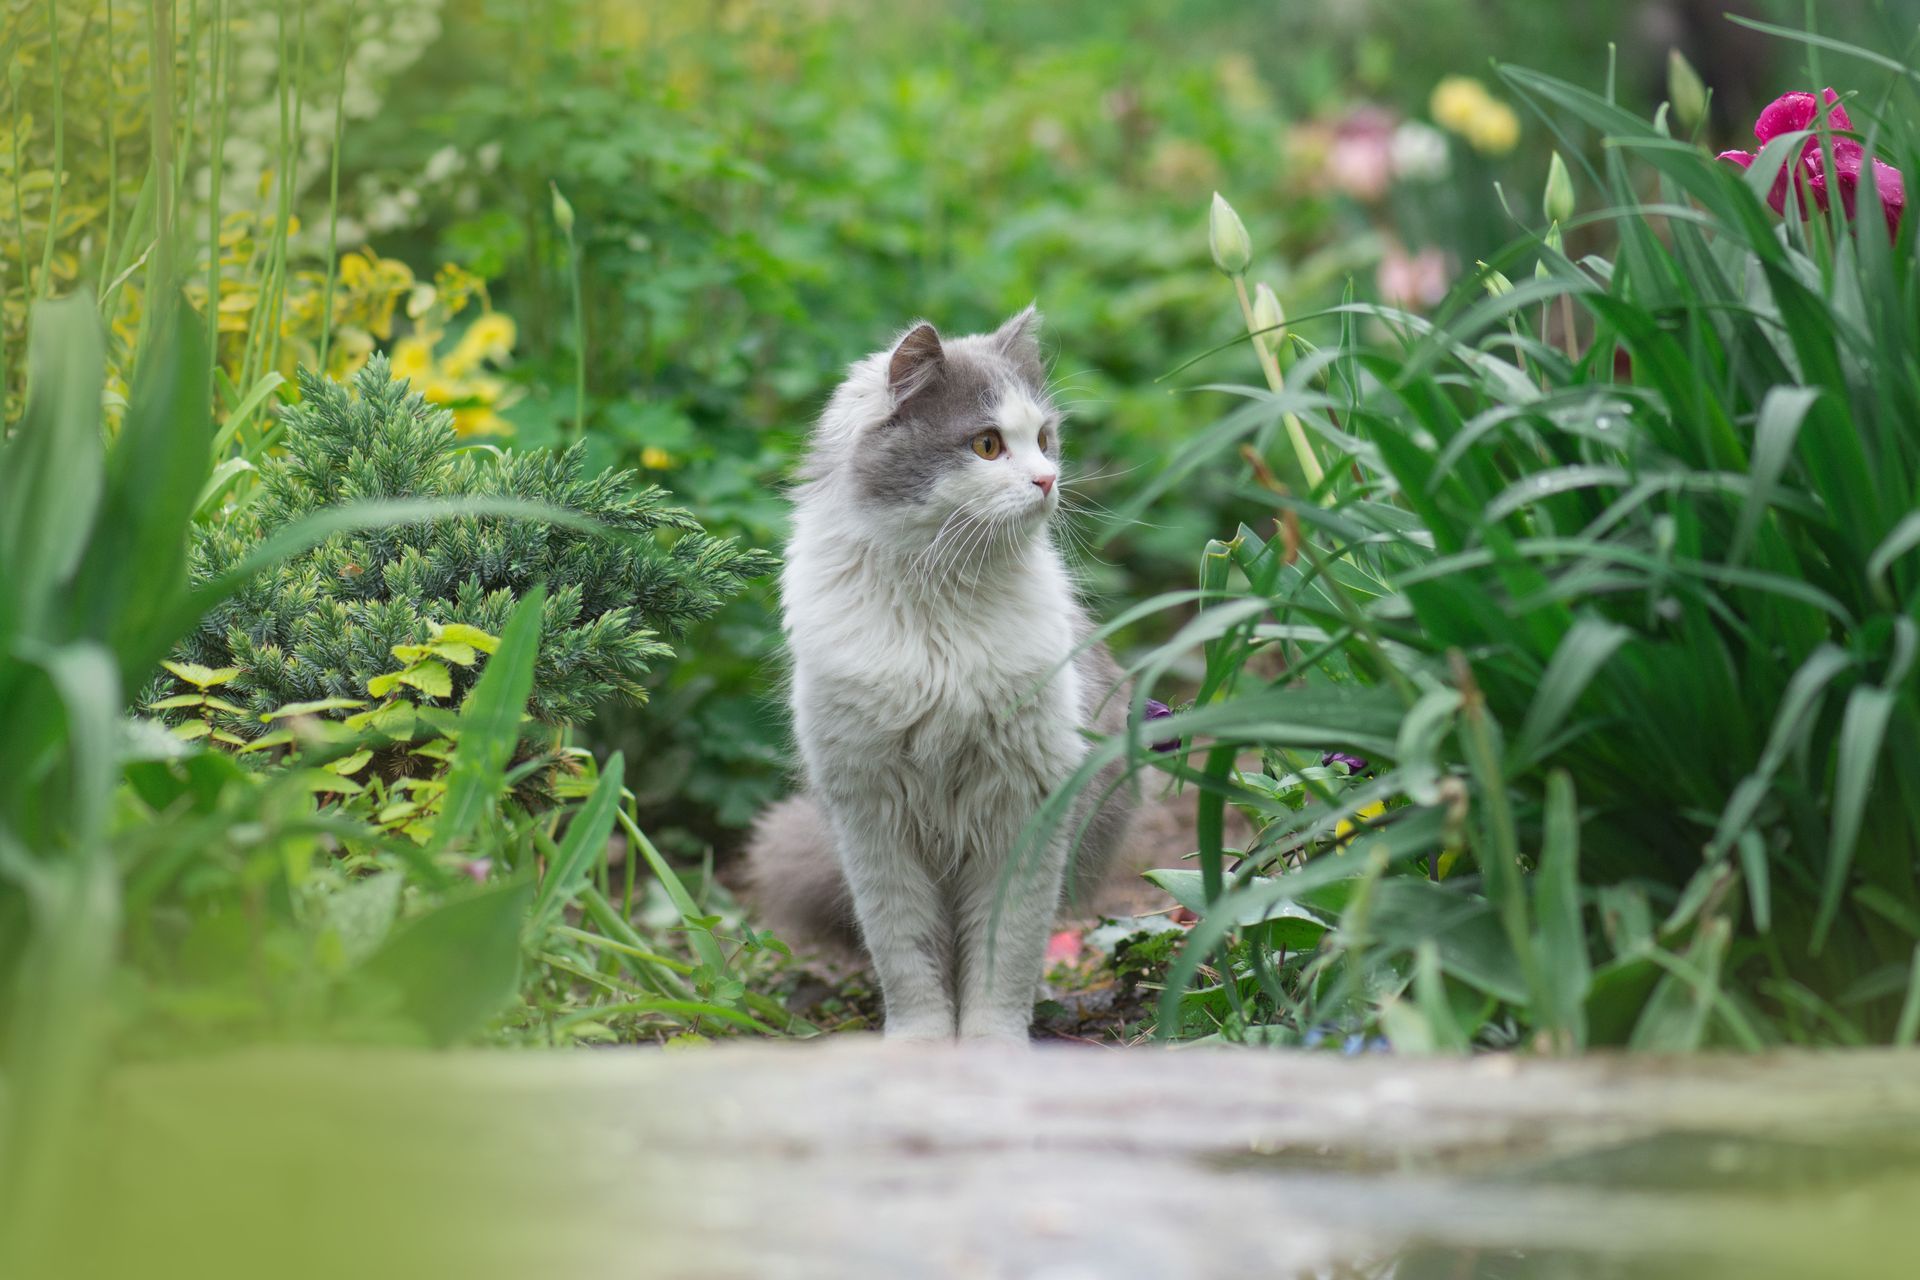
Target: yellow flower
[
  {"x": 1495, "y": 131},
  {"x": 412, "y": 359},
  {"x": 489, "y": 337},
  {"x": 1344, "y": 829},
  {"x": 480, "y": 420},
  {"x": 1462, "y": 105},
  {"x": 654, "y": 458}
]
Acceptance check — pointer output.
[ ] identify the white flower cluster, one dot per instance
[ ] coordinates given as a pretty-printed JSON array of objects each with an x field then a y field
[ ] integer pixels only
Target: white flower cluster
[{"x": 386, "y": 40}]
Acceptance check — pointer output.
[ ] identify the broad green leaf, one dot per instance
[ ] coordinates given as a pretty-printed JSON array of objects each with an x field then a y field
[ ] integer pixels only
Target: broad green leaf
[
  {"x": 1863, "y": 729},
  {"x": 461, "y": 633},
  {"x": 586, "y": 839},
  {"x": 459, "y": 964},
  {"x": 1562, "y": 962},
  {"x": 52, "y": 470},
  {"x": 490, "y": 725},
  {"x": 201, "y": 677}
]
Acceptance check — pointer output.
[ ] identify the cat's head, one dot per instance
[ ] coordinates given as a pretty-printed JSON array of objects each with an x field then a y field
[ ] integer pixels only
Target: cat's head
[{"x": 935, "y": 436}]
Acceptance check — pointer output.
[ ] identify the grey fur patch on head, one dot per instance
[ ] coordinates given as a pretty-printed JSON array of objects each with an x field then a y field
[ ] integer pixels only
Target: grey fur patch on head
[
  {"x": 944, "y": 395},
  {"x": 916, "y": 362}
]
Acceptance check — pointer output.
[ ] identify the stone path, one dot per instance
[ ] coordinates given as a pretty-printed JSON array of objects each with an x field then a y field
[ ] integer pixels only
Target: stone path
[{"x": 853, "y": 1159}]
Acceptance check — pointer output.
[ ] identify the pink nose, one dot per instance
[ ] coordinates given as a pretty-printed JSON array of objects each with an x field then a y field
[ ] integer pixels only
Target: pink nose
[{"x": 1045, "y": 483}]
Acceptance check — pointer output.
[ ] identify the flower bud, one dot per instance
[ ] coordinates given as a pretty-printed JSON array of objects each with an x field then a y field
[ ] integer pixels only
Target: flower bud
[
  {"x": 1227, "y": 237},
  {"x": 1268, "y": 318},
  {"x": 562, "y": 211},
  {"x": 1498, "y": 286},
  {"x": 1685, "y": 91},
  {"x": 1557, "y": 203}
]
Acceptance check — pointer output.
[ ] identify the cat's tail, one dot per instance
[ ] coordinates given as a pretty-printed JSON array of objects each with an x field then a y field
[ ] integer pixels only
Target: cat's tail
[{"x": 793, "y": 880}]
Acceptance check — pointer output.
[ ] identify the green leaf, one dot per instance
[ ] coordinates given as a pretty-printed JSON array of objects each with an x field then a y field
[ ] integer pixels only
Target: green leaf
[
  {"x": 428, "y": 676},
  {"x": 459, "y": 964},
  {"x": 52, "y": 470},
  {"x": 1586, "y": 648},
  {"x": 586, "y": 839},
  {"x": 201, "y": 677},
  {"x": 1565, "y": 969},
  {"x": 1862, "y": 731},
  {"x": 490, "y": 725},
  {"x": 461, "y": 633},
  {"x": 314, "y": 707}
]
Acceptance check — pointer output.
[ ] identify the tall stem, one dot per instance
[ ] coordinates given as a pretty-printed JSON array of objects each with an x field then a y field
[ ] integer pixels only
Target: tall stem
[
  {"x": 333, "y": 191},
  {"x": 1270, "y": 366},
  {"x": 160, "y": 266},
  {"x": 59, "y": 150}
]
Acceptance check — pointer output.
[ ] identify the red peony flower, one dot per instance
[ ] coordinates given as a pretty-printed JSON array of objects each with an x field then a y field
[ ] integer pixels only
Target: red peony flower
[{"x": 1796, "y": 112}]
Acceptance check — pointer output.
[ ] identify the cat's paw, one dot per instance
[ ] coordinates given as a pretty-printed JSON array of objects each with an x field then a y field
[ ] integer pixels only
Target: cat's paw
[
  {"x": 1006, "y": 1037},
  {"x": 917, "y": 1031}
]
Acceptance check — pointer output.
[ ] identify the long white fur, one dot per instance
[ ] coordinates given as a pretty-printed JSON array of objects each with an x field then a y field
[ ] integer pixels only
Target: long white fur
[{"x": 917, "y": 651}]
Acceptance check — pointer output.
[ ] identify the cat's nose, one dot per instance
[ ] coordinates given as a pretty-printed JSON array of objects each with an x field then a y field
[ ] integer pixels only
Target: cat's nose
[{"x": 1044, "y": 483}]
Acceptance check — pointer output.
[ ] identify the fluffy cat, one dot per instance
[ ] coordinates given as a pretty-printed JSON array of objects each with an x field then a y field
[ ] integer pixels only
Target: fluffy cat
[{"x": 941, "y": 683}]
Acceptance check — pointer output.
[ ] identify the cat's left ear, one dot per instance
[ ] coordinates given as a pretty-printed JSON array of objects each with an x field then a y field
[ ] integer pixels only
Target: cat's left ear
[{"x": 1019, "y": 340}]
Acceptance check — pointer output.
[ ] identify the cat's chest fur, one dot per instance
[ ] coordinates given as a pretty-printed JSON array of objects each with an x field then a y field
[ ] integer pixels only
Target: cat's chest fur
[{"x": 908, "y": 678}]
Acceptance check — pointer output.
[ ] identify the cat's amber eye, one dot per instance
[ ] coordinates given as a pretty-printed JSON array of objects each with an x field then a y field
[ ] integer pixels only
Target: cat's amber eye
[
  {"x": 1043, "y": 439},
  {"x": 988, "y": 445}
]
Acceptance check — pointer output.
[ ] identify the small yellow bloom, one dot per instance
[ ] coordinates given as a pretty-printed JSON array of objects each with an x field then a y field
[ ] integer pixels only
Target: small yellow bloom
[
  {"x": 1344, "y": 829},
  {"x": 480, "y": 420},
  {"x": 654, "y": 458},
  {"x": 412, "y": 359},
  {"x": 1462, "y": 105}
]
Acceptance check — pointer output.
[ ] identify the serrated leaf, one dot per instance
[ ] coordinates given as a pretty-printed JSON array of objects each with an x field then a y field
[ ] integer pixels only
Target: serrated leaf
[
  {"x": 192, "y": 730},
  {"x": 178, "y": 700},
  {"x": 314, "y": 707},
  {"x": 352, "y": 764},
  {"x": 198, "y": 676},
  {"x": 461, "y": 633}
]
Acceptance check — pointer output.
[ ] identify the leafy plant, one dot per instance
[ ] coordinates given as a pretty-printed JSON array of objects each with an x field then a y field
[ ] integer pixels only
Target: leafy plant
[
  {"x": 1621, "y": 616},
  {"x": 322, "y": 625}
]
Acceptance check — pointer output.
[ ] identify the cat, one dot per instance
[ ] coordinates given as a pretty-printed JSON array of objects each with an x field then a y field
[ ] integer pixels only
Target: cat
[{"x": 941, "y": 683}]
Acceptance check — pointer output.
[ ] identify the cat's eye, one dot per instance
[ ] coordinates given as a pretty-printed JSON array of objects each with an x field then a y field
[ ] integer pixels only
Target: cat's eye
[
  {"x": 988, "y": 445},
  {"x": 1043, "y": 439}
]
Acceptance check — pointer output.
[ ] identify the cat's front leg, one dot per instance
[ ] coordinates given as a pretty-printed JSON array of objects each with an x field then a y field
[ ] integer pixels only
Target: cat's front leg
[
  {"x": 904, "y": 921},
  {"x": 1006, "y": 914}
]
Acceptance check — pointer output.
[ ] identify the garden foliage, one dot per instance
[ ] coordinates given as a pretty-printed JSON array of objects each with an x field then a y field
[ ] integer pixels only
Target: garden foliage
[
  {"x": 1580, "y": 689},
  {"x": 628, "y": 574}
]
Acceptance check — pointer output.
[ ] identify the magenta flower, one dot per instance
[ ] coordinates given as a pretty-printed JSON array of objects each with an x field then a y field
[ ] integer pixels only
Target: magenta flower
[{"x": 1795, "y": 112}]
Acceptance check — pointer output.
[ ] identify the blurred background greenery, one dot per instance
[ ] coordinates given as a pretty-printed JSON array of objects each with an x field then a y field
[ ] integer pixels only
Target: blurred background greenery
[{"x": 767, "y": 190}]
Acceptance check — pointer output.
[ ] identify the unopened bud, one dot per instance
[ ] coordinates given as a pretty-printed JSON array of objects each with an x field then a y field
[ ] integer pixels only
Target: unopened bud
[
  {"x": 1557, "y": 203},
  {"x": 562, "y": 210},
  {"x": 1268, "y": 318},
  {"x": 1685, "y": 91},
  {"x": 1498, "y": 286},
  {"x": 1227, "y": 237}
]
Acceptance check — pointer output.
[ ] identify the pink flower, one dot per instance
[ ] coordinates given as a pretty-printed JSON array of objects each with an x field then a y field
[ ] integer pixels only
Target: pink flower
[
  {"x": 1795, "y": 112},
  {"x": 1412, "y": 280},
  {"x": 1360, "y": 160}
]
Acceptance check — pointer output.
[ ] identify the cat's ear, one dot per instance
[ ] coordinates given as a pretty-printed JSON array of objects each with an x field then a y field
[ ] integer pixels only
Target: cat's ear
[
  {"x": 1019, "y": 340},
  {"x": 917, "y": 360}
]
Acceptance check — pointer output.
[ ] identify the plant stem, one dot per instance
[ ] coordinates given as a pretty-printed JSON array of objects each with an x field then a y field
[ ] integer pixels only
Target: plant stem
[
  {"x": 160, "y": 266},
  {"x": 113, "y": 149},
  {"x": 217, "y": 76},
  {"x": 333, "y": 191},
  {"x": 1270, "y": 366},
  {"x": 59, "y": 151},
  {"x": 579, "y": 341}
]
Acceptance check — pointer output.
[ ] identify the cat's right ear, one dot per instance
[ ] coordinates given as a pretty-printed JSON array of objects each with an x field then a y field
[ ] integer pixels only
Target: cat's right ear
[{"x": 917, "y": 360}]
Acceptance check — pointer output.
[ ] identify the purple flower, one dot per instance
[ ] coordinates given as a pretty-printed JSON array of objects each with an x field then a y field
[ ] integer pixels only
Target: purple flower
[
  {"x": 1157, "y": 710},
  {"x": 1355, "y": 764},
  {"x": 1793, "y": 112}
]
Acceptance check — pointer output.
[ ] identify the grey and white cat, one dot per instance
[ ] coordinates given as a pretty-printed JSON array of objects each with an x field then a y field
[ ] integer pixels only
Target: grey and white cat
[{"x": 941, "y": 682}]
